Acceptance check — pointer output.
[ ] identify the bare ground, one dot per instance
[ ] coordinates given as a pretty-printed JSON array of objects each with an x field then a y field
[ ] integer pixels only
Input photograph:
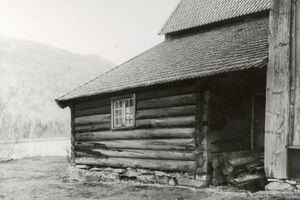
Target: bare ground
[{"x": 46, "y": 178}]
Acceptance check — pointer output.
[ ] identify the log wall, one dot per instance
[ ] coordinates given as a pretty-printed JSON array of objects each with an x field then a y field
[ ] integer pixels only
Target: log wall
[{"x": 162, "y": 139}]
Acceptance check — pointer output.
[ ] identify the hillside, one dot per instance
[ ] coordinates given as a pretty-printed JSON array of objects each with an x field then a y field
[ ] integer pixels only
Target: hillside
[{"x": 32, "y": 75}]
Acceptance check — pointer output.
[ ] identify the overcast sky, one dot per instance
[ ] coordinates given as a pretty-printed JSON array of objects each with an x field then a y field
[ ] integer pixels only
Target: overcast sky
[{"x": 114, "y": 29}]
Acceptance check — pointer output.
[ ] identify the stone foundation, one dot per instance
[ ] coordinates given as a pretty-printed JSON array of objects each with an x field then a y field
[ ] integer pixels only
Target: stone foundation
[
  {"x": 86, "y": 174},
  {"x": 282, "y": 185}
]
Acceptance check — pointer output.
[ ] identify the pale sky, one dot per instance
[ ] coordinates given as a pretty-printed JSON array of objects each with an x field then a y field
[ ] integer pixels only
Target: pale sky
[{"x": 114, "y": 29}]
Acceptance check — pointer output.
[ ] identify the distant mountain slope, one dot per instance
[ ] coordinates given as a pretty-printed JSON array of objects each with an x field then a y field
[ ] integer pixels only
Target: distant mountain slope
[{"x": 32, "y": 75}]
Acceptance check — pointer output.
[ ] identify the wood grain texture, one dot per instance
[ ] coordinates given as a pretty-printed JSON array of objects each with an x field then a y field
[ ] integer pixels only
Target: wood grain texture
[
  {"x": 296, "y": 64},
  {"x": 93, "y": 111},
  {"x": 73, "y": 139},
  {"x": 278, "y": 90},
  {"x": 93, "y": 119},
  {"x": 165, "y": 92},
  {"x": 95, "y": 103},
  {"x": 141, "y": 154},
  {"x": 165, "y": 112},
  {"x": 162, "y": 165},
  {"x": 93, "y": 127},
  {"x": 137, "y": 134},
  {"x": 184, "y": 121},
  {"x": 157, "y": 144},
  {"x": 179, "y": 100}
]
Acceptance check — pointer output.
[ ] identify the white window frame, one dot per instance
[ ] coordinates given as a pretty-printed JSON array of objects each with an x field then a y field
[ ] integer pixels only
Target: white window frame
[{"x": 123, "y": 109}]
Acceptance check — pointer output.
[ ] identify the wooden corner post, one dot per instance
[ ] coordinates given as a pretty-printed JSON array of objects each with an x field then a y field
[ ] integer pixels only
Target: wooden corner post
[
  {"x": 73, "y": 139},
  {"x": 280, "y": 92},
  {"x": 201, "y": 133}
]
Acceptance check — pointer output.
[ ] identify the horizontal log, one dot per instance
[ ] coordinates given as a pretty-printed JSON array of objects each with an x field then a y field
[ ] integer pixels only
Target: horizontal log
[
  {"x": 137, "y": 134},
  {"x": 237, "y": 163},
  {"x": 184, "y": 121},
  {"x": 93, "y": 119},
  {"x": 170, "y": 91},
  {"x": 180, "y": 100},
  {"x": 162, "y": 165},
  {"x": 165, "y": 112},
  {"x": 142, "y": 154},
  {"x": 93, "y": 111},
  {"x": 93, "y": 127},
  {"x": 158, "y": 144},
  {"x": 93, "y": 103}
]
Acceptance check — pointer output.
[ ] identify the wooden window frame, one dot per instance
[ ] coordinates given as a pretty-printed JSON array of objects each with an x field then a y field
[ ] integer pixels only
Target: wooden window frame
[{"x": 114, "y": 99}]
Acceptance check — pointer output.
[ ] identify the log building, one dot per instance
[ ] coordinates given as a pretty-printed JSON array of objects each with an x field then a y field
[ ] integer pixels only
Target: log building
[{"x": 194, "y": 100}]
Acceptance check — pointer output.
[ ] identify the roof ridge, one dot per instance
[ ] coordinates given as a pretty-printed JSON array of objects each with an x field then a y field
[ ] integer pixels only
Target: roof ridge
[
  {"x": 169, "y": 17},
  {"x": 189, "y": 13}
]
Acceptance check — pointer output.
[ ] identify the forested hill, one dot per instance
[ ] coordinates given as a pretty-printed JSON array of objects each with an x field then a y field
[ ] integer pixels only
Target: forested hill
[{"x": 32, "y": 75}]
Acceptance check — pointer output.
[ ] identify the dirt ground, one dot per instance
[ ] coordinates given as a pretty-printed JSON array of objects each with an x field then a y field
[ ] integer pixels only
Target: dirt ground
[{"x": 46, "y": 178}]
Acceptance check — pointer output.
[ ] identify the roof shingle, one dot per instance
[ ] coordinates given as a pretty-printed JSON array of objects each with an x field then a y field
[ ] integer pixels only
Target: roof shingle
[
  {"x": 233, "y": 47},
  {"x": 194, "y": 13}
]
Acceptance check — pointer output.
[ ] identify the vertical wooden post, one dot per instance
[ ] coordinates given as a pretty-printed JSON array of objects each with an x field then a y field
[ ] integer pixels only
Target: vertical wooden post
[
  {"x": 73, "y": 140},
  {"x": 280, "y": 90},
  {"x": 201, "y": 131},
  {"x": 295, "y": 138}
]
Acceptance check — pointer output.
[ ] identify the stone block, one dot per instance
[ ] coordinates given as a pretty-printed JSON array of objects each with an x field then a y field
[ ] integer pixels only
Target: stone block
[
  {"x": 160, "y": 173},
  {"x": 201, "y": 178},
  {"x": 191, "y": 182},
  {"x": 129, "y": 173},
  {"x": 109, "y": 176},
  {"x": 279, "y": 186},
  {"x": 162, "y": 180},
  {"x": 298, "y": 187},
  {"x": 76, "y": 174},
  {"x": 146, "y": 179},
  {"x": 145, "y": 171},
  {"x": 96, "y": 169},
  {"x": 291, "y": 182},
  {"x": 82, "y": 167},
  {"x": 172, "y": 182},
  {"x": 92, "y": 176}
]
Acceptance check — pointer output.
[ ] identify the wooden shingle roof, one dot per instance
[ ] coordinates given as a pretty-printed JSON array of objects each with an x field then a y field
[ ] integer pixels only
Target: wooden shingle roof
[
  {"x": 234, "y": 47},
  {"x": 194, "y": 13}
]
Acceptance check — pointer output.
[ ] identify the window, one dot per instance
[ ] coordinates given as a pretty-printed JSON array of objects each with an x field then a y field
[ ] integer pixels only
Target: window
[{"x": 123, "y": 112}]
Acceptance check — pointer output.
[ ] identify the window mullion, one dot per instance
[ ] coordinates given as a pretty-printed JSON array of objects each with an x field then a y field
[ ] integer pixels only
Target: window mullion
[{"x": 123, "y": 112}]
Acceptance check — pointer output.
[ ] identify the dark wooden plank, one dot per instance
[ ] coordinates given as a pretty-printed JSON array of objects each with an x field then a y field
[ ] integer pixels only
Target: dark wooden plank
[
  {"x": 162, "y": 165},
  {"x": 170, "y": 91},
  {"x": 95, "y": 103},
  {"x": 93, "y": 127},
  {"x": 137, "y": 134},
  {"x": 155, "y": 144},
  {"x": 137, "y": 153},
  {"x": 93, "y": 111},
  {"x": 93, "y": 119},
  {"x": 73, "y": 139},
  {"x": 184, "y": 121},
  {"x": 180, "y": 100},
  {"x": 166, "y": 112}
]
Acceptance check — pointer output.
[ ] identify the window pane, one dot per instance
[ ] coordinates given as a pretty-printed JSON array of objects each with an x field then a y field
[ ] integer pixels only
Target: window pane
[
  {"x": 131, "y": 102},
  {"x": 123, "y": 111}
]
